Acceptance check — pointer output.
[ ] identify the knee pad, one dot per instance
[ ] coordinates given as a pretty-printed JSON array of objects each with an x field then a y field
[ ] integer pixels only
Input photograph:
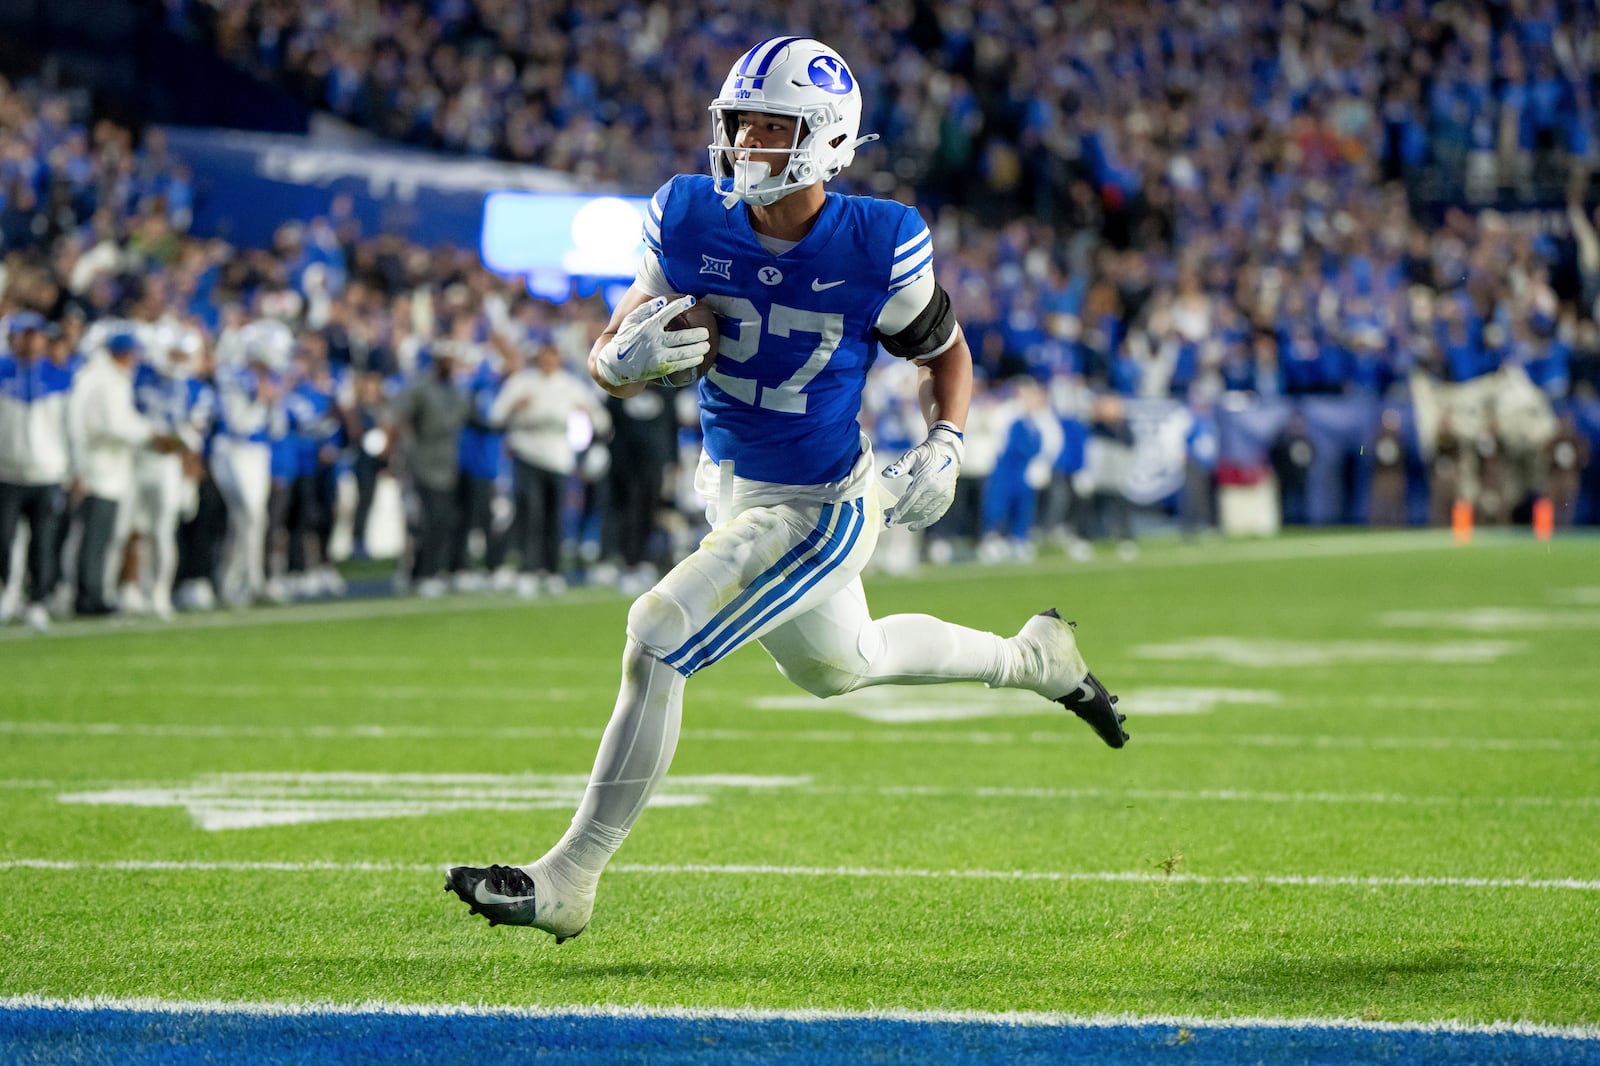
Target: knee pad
[{"x": 659, "y": 623}]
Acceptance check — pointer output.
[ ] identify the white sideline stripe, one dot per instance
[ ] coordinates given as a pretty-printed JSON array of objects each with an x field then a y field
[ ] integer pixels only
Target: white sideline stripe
[
  {"x": 1032, "y": 1019},
  {"x": 354, "y": 610},
  {"x": 817, "y": 736},
  {"x": 1355, "y": 544},
  {"x": 454, "y": 695},
  {"x": 353, "y": 663},
  {"x": 1566, "y": 884}
]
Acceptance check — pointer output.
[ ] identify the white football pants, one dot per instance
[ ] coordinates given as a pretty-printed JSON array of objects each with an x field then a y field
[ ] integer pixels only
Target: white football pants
[
  {"x": 788, "y": 576},
  {"x": 243, "y": 472},
  {"x": 157, "y": 510}
]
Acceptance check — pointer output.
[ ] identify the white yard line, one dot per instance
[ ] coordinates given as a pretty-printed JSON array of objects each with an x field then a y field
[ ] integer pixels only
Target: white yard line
[
  {"x": 496, "y": 791},
  {"x": 1035, "y": 1019},
  {"x": 1219, "y": 795},
  {"x": 219, "y": 731},
  {"x": 1564, "y": 884}
]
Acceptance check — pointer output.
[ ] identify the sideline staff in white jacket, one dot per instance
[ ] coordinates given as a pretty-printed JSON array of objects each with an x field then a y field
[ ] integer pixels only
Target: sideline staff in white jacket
[
  {"x": 535, "y": 407},
  {"x": 34, "y": 463},
  {"x": 108, "y": 429}
]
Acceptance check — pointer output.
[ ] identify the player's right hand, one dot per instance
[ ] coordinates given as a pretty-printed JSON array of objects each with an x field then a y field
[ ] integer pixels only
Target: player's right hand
[{"x": 645, "y": 349}]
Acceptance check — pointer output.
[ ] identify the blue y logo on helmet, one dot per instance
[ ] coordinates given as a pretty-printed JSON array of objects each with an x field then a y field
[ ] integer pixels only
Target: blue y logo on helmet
[{"x": 830, "y": 75}]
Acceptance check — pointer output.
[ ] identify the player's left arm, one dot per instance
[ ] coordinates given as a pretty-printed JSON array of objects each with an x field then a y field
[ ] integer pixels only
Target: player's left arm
[
  {"x": 932, "y": 338},
  {"x": 944, "y": 385}
]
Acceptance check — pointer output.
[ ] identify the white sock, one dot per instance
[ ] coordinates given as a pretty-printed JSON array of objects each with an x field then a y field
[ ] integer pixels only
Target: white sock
[
  {"x": 919, "y": 649},
  {"x": 633, "y": 758}
]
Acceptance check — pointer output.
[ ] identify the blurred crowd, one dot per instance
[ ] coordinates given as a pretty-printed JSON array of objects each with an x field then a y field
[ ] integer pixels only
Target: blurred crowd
[
  {"x": 1173, "y": 203},
  {"x": 1160, "y": 197},
  {"x": 1011, "y": 99}
]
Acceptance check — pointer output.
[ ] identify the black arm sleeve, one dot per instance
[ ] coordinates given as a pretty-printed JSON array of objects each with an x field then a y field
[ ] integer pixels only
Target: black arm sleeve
[{"x": 927, "y": 333}]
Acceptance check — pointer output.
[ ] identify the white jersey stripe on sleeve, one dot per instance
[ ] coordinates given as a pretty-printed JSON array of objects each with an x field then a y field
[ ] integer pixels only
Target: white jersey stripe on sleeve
[
  {"x": 652, "y": 225},
  {"x": 918, "y": 248},
  {"x": 913, "y": 242},
  {"x": 910, "y": 267}
]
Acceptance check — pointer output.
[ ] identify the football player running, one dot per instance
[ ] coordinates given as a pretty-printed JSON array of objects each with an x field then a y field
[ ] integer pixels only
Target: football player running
[{"x": 806, "y": 286}]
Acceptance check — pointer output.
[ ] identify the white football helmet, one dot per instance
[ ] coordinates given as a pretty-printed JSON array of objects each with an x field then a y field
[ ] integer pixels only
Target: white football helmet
[
  {"x": 269, "y": 342},
  {"x": 787, "y": 76}
]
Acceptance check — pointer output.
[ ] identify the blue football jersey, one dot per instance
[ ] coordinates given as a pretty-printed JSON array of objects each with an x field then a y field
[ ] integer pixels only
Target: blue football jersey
[
  {"x": 175, "y": 404},
  {"x": 314, "y": 421},
  {"x": 481, "y": 449},
  {"x": 162, "y": 400},
  {"x": 34, "y": 380},
  {"x": 238, "y": 398},
  {"x": 784, "y": 395}
]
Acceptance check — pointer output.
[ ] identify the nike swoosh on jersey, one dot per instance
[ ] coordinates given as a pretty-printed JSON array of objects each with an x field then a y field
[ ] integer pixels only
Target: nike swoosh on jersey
[{"x": 818, "y": 286}]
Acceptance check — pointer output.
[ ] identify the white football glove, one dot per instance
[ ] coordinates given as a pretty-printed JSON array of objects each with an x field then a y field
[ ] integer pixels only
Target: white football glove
[
  {"x": 930, "y": 471},
  {"x": 645, "y": 349}
]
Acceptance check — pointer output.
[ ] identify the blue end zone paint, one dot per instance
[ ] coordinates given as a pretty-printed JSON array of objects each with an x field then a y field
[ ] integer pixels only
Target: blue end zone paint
[{"x": 38, "y": 1035}]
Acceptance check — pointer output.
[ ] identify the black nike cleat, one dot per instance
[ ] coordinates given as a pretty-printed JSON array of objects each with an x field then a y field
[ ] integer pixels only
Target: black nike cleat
[
  {"x": 507, "y": 895},
  {"x": 1052, "y": 664},
  {"x": 1091, "y": 702}
]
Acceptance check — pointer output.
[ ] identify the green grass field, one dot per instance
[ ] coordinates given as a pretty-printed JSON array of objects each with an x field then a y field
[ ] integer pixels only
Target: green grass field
[{"x": 1363, "y": 782}]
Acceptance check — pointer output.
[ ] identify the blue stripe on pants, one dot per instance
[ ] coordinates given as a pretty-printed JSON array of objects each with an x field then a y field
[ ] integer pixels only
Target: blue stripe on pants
[
  {"x": 812, "y": 541},
  {"x": 777, "y": 588}
]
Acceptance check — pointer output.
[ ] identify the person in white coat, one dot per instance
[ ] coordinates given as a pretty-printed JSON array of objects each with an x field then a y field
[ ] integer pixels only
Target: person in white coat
[
  {"x": 34, "y": 466},
  {"x": 535, "y": 407},
  {"x": 108, "y": 430}
]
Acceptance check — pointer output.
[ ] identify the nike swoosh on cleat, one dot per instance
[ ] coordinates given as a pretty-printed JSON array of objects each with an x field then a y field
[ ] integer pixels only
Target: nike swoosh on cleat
[
  {"x": 818, "y": 286},
  {"x": 484, "y": 894},
  {"x": 1085, "y": 692}
]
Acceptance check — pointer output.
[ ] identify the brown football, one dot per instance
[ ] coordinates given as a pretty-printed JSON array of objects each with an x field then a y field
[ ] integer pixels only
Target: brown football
[{"x": 698, "y": 315}]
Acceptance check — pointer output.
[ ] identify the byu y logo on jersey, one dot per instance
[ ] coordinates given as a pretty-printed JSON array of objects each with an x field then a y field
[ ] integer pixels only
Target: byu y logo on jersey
[
  {"x": 770, "y": 275},
  {"x": 830, "y": 75}
]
